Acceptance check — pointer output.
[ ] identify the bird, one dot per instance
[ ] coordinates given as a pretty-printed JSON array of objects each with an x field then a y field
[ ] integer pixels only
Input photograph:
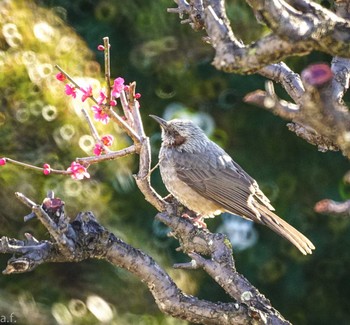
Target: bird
[{"x": 206, "y": 180}]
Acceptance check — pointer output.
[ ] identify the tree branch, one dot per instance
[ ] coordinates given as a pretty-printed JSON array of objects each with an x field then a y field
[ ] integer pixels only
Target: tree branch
[
  {"x": 289, "y": 80},
  {"x": 296, "y": 31},
  {"x": 302, "y": 20},
  {"x": 317, "y": 114},
  {"x": 91, "y": 240},
  {"x": 298, "y": 27},
  {"x": 318, "y": 119},
  {"x": 327, "y": 206}
]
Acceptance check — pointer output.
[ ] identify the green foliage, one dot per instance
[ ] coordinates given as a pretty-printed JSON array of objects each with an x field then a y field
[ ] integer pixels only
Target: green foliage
[{"x": 172, "y": 68}]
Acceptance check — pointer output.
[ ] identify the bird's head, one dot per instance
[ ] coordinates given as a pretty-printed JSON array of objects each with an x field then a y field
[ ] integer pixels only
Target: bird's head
[{"x": 181, "y": 134}]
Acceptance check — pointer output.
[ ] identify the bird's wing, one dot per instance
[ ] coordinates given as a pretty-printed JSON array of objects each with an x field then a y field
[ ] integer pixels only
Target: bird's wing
[
  {"x": 218, "y": 178},
  {"x": 214, "y": 175}
]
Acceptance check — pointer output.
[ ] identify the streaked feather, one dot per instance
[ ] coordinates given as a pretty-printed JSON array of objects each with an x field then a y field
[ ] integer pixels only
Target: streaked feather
[{"x": 218, "y": 178}]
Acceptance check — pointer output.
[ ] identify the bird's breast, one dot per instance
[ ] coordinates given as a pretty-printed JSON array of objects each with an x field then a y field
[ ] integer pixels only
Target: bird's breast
[{"x": 183, "y": 192}]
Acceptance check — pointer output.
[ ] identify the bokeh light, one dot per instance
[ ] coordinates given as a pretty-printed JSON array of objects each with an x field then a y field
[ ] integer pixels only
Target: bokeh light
[
  {"x": 99, "y": 308},
  {"x": 241, "y": 232}
]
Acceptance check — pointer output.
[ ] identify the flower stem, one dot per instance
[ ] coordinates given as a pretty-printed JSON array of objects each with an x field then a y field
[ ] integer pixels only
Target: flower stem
[{"x": 25, "y": 165}]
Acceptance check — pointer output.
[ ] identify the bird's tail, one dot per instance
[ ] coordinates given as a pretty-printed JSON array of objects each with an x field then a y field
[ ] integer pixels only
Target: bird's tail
[{"x": 284, "y": 229}]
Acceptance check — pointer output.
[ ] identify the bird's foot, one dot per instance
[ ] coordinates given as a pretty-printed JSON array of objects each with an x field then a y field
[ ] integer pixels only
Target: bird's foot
[{"x": 197, "y": 221}]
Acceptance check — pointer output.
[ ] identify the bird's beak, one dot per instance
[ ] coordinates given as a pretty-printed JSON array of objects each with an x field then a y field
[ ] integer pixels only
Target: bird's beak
[{"x": 163, "y": 123}]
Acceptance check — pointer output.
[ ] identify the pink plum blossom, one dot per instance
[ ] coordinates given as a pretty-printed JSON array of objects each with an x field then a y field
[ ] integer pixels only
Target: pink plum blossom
[
  {"x": 118, "y": 87},
  {"x": 87, "y": 92},
  {"x": 78, "y": 171},
  {"x": 98, "y": 149},
  {"x": 107, "y": 140},
  {"x": 100, "y": 115},
  {"x": 71, "y": 91},
  {"x": 102, "y": 97},
  {"x": 47, "y": 169},
  {"x": 60, "y": 76}
]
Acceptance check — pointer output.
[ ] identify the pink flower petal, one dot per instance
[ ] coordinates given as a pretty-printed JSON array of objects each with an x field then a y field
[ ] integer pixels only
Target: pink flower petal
[
  {"x": 87, "y": 92},
  {"x": 118, "y": 87},
  {"x": 71, "y": 91},
  {"x": 100, "y": 115},
  {"x": 102, "y": 97},
  {"x": 98, "y": 149},
  {"x": 78, "y": 171},
  {"x": 107, "y": 140},
  {"x": 60, "y": 76}
]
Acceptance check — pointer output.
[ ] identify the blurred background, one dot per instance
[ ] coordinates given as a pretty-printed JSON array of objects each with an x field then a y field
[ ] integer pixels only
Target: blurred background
[{"x": 172, "y": 67}]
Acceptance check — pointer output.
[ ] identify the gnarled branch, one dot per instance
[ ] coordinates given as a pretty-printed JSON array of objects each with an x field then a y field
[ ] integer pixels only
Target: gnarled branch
[
  {"x": 91, "y": 240},
  {"x": 318, "y": 114}
]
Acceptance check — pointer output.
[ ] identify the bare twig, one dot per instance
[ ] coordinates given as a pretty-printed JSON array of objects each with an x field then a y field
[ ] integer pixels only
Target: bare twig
[
  {"x": 29, "y": 166},
  {"x": 124, "y": 125},
  {"x": 270, "y": 101},
  {"x": 327, "y": 206},
  {"x": 93, "y": 130},
  {"x": 290, "y": 80},
  {"x": 126, "y": 109},
  {"x": 26, "y": 201},
  {"x": 76, "y": 85},
  {"x": 134, "y": 108},
  {"x": 108, "y": 156},
  {"x": 107, "y": 68}
]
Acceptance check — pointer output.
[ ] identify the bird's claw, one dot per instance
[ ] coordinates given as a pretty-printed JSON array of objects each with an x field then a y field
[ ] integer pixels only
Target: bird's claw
[{"x": 197, "y": 221}]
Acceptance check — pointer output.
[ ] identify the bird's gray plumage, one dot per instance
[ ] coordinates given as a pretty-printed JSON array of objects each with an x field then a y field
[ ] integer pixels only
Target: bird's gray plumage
[{"x": 204, "y": 178}]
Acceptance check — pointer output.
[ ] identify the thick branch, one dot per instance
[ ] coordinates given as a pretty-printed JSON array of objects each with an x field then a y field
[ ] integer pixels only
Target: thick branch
[
  {"x": 318, "y": 118},
  {"x": 232, "y": 56},
  {"x": 311, "y": 136},
  {"x": 302, "y": 20},
  {"x": 168, "y": 296},
  {"x": 299, "y": 26},
  {"x": 91, "y": 240},
  {"x": 220, "y": 266},
  {"x": 340, "y": 82},
  {"x": 296, "y": 32},
  {"x": 289, "y": 80},
  {"x": 328, "y": 118}
]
